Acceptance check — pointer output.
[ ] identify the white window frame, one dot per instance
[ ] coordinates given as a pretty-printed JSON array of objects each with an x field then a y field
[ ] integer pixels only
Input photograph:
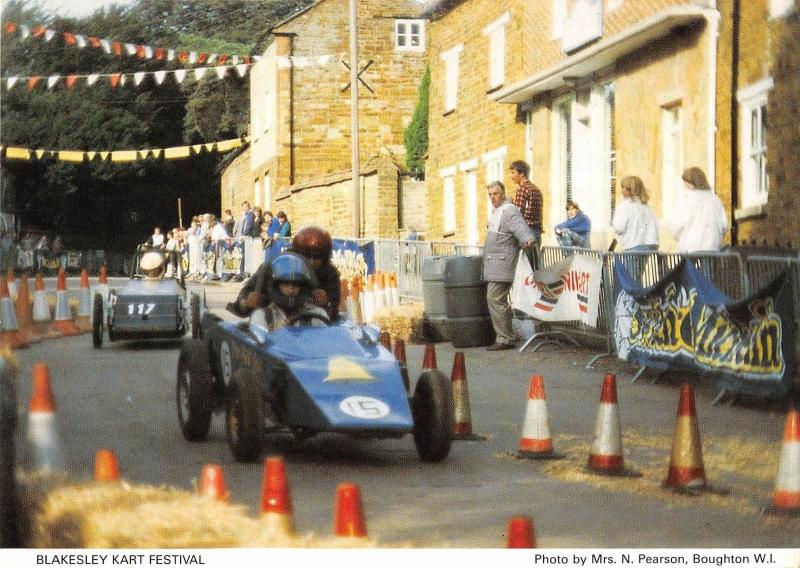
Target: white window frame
[
  {"x": 755, "y": 181},
  {"x": 496, "y": 32},
  {"x": 471, "y": 222},
  {"x": 451, "y": 60},
  {"x": 558, "y": 169},
  {"x": 448, "y": 200},
  {"x": 267, "y": 191},
  {"x": 780, "y": 8},
  {"x": 257, "y": 192},
  {"x": 495, "y": 164},
  {"x": 407, "y": 35},
  {"x": 529, "y": 136},
  {"x": 671, "y": 184}
]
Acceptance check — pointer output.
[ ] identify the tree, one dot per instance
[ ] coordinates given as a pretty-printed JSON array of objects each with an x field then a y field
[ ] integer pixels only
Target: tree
[{"x": 415, "y": 136}]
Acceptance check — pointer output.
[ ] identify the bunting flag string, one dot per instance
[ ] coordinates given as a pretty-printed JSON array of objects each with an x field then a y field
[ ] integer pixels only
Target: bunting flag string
[
  {"x": 120, "y": 79},
  {"x": 122, "y": 156},
  {"x": 120, "y": 49}
]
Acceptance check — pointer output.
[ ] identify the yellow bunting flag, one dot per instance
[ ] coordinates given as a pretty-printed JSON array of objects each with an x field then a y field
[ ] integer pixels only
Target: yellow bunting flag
[
  {"x": 124, "y": 156},
  {"x": 13, "y": 153},
  {"x": 70, "y": 156},
  {"x": 226, "y": 145},
  {"x": 177, "y": 152}
]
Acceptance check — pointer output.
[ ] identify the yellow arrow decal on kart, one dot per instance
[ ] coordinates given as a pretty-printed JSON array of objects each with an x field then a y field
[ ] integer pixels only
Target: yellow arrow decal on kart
[{"x": 341, "y": 369}]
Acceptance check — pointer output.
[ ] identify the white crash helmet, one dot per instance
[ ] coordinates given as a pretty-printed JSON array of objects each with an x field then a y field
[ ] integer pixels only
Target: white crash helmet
[{"x": 151, "y": 264}]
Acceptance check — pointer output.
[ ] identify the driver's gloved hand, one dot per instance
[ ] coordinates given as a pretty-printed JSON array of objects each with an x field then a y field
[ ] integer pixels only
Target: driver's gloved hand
[
  {"x": 255, "y": 300},
  {"x": 319, "y": 297}
]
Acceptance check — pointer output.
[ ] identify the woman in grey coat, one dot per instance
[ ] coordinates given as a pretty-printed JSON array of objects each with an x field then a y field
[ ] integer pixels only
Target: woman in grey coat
[{"x": 507, "y": 233}]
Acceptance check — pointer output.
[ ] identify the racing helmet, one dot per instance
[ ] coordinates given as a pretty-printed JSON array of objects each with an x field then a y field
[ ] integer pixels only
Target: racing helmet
[
  {"x": 151, "y": 264},
  {"x": 290, "y": 267},
  {"x": 313, "y": 242}
]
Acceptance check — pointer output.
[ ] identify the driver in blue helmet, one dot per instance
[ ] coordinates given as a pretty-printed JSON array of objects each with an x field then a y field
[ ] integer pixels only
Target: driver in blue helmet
[{"x": 289, "y": 295}]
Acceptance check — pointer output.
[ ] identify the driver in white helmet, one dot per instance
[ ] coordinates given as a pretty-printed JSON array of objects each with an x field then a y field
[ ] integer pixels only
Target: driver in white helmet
[{"x": 290, "y": 296}]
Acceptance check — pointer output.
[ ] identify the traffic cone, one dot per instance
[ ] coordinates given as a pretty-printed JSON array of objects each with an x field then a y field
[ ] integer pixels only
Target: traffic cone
[
  {"x": 12, "y": 282},
  {"x": 212, "y": 483},
  {"x": 24, "y": 313},
  {"x": 276, "y": 502},
  {"x": 9, "y": 329},
  {"x": 786, "y": 497},
  {"x": 521, "y": 533},
  {"x": 105, "y": 466},
  {"x": 536, "y": 442},
  {"x": 429, "y": 359},
  {"x": 42, "y": 319},
  {"x": 686, "y": 473},
  {"x": 344, "y": 295},
  {"x": 462, "y": 419},
  {"x": 62, "y": 322},
  {"x": 386, "y": 340},
  {"x": 43, "y": 449},
  {"x": 84, "y": 317},
  {"x": 368, "y": 303},
  {"x": 348, "y": 520},
  {"x": 400, "y": 355},
  {"x": 394, "y": 293},
  {"x": 379, "y": 292},
  {"x": 605, "y": 455}
]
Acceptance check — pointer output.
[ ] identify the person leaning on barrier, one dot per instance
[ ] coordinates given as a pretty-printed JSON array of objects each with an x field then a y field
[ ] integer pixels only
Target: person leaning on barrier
[
  {"x": 530, "y": 201},
  {"x": 576, "y": 230},
  {"x": 699, "y": 221},
  {"x": 315, "y": 245},
  {"x": 507, "y": 232},
  {"x": 634, "y": 224}
]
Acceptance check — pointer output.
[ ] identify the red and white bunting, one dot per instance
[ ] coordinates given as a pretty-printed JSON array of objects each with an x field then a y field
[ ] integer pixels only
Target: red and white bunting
[{"x": 122, "y": 48}]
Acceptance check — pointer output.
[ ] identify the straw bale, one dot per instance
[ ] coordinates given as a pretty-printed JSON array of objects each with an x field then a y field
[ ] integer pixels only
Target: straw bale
[
  {"x": 56, "y": 513},
  {"x": 406, "y": 322}
]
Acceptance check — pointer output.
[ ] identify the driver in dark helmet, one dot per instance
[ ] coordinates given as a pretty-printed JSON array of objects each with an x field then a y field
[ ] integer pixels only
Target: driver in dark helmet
[
  {"x": 316, "y": 247},
  {"x": 289, "y": 295}
]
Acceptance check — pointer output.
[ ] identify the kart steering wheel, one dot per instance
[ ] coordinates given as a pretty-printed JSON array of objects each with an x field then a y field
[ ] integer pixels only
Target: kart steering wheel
[{"x": 309, "y": 316}]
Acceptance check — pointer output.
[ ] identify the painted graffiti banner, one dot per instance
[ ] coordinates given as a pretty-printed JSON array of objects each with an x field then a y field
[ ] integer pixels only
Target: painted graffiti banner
[
  {"x": 566, "y": 291},
  {"x": 350, "y": 257},
  {"x": 684, "y": 322},
  {"x": 231, "y": 252}
]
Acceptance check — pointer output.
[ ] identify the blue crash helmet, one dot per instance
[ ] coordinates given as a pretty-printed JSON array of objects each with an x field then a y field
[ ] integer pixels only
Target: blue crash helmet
[{"x": 290, "y": 267}]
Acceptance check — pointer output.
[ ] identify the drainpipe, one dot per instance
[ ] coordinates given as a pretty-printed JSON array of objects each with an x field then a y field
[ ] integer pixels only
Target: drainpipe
[{"x": 735, "y": 25}]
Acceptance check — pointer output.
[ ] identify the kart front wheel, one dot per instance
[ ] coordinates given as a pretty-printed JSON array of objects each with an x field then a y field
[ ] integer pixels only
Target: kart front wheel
[
  {"x": 244, "y": 417},
  {"x": 194, "y": 395},
  {"x": 194, "y": 305},
  {"x": 97, "y": 322},
  {"x": 432, "y": 409}
]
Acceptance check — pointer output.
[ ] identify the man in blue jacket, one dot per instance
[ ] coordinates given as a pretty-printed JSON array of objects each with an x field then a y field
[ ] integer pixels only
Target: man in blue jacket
[
  {"x": 507, "y": 232},
  {"x": 575, "y": 231}
]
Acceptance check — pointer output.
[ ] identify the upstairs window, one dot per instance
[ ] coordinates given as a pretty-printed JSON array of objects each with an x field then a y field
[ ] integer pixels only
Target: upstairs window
[
  {"x": 450, "y": 58},
  {"x": 755, "y": 182},
  {"x": 409, "y": 35},
  {"x": 496, "y": 32}
]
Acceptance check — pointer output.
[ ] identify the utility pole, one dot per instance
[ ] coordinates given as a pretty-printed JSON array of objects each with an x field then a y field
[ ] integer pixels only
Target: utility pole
[{"x": 354, "y": 118}]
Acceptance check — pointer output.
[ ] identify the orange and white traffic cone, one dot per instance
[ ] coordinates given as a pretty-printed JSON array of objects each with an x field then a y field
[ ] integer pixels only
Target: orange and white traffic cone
[
  {"x": 12, "y": 282},
  {"x": 521, "y": 533},
  {"x": 212, "y": 483},
  {"x": 379, "y": 291},
  {"x": 84, "y": 316},
  {"x": 400, "y": 355},
  {"x": 462, "y": 419},
  {"x": 429, "y": 359},
  {"x": 368, "y": 302},
  {"x": 394, "y": 293},
  {"x": 276, "y": 501},
  {"x": 536, "y": 442},
  {"x": 44, "y": 451},
  {"x": 605, "y": 455},
  {"x": 686, "y": 473},
  {"x": 106, "y": 467},
  {"x": 348, "y": 519},
  {"x": 24, "y": 312},
  {"x": 786, "y": 497},
  {"x": 386, "y": 340},
  {"x": 9, "y": 328},
  {"x": 62, "y": 322},
  {"x": 42, "y": 318}
]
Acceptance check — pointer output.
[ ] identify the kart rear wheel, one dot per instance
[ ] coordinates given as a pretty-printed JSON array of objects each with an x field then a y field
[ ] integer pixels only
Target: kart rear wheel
[
  {"x": 244, "y": 417},
  {"x": 97, "y": 322},
  {"x": 8, "y": 485},
  {"x": 194, "y": 305},
  {"x": 432, "y": 409},
  {"x": 193, "y": 392}
]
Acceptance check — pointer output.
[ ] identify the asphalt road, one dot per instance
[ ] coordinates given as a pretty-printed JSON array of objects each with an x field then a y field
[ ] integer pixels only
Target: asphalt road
[{"x": 122, "y": 397}]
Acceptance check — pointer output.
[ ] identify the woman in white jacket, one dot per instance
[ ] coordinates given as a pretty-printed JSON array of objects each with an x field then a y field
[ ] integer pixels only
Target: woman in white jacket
[
  {"x": 699, "y": 220},
  {"x": 635, "y": 224}
]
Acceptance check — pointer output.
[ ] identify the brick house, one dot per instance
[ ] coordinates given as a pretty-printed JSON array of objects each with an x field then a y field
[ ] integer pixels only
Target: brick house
[
  {"x": 584, "y": 90},
  {"x": 300, "y": 153},
  {"x": 759, "y": 77}
]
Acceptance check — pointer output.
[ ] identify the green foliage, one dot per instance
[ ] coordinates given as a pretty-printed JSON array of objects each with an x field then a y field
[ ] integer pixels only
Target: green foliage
[
  {"x": 115, "y": 205},
  {"x": 415, "y": 136}
]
